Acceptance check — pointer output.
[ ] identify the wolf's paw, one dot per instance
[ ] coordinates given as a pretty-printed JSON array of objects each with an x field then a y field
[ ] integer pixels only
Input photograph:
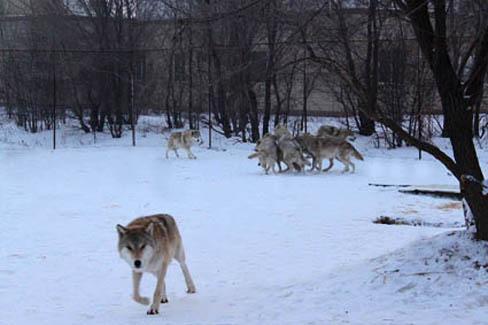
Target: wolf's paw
[
  {"x": 153, "y": 311},
  {"x": 191, "y": 290},
  {"x": 142, "y": 300},
  {"x": 164, "y": 300}
]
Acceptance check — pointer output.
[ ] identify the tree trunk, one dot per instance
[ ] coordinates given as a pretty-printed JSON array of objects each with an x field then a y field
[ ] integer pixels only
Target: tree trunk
[
  {"x": 101, "y": 121},
  {"x": 305, "y": 93},
  {"x": 190, "y": 86},
  {"x": 253, "y": 115},
  {"x": 371, "y": 71},
  {"x": 267, "y": 105},
  {"x": 456, "y": 101},
  {"x": 476, "y": 120},
  {"x": 478, "y": 203},
  {"x": 221, "y": 107},
  {"x": 366, "y": 125},
  {"x": 278, "y": 101}
]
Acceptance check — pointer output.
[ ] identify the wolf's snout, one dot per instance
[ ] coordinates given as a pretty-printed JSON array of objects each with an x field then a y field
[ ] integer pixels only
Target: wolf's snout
[{"x": 137, "y": 264}]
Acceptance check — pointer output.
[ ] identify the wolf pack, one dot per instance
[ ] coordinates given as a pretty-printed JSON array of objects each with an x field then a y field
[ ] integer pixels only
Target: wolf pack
[
  {"x": 295, "y": 152},
  {"x": 149, "y": 244}
]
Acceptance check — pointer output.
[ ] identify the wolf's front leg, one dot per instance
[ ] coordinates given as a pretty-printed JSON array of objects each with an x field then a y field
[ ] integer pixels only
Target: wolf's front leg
[
  {"x": 160, "y": 291},
  {"x": 180, "y": 257},
  {"x": 136, "y": 282},
  {"x": 189, "y": 281},
  {"x": 190, "y": 154}
]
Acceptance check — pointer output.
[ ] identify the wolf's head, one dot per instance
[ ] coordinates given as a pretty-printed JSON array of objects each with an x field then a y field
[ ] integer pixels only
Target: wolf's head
[
  {"x": 348, "y": 134},
  {"x": 136, "y": 245},
  {"x": 196, "y": 136}
]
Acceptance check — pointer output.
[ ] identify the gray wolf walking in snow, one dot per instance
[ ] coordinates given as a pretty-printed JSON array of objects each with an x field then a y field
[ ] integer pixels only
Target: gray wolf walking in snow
[
  {"x": 183, "y": 140},
  {"x": 268, "y": 153},
  {"x": 330, "y": 148},
  {"x": 149, "y": 244}
]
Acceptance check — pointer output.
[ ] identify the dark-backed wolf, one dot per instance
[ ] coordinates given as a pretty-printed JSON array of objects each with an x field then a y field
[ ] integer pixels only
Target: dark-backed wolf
[
  {"x": 148, "y": 244},
  {"x": 332, "y": 131},
  {"x": 329, "y": 148}
]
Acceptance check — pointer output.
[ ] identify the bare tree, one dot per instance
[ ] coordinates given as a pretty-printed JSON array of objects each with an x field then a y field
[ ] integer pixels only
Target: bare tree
[
  {"x": 349, "y": 54},
  {"x": 458, "y": 94}
]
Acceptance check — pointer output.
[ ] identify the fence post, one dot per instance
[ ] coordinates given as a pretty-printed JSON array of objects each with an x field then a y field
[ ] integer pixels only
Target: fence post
[{"x": 54, "y": 99}]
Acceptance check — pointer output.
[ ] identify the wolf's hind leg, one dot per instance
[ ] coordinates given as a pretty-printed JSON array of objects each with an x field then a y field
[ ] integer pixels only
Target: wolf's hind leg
[
  {"x": 180, "y": 257},
  {"x": 319, "y": 164},
  {"x": 314, "y": 164},
  {"x": 136, "y": 282},
  {"x": 345, "y": 162},
  {"x": 331, "y": 164},
  {"x": 273, "y": 167},
  {"x": 353, "y": 167}
]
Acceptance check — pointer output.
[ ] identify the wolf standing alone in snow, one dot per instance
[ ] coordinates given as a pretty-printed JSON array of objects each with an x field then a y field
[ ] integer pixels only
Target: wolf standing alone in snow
[
  {"x": 183, "y": 140},
  {"x": 149, "y": 244}
]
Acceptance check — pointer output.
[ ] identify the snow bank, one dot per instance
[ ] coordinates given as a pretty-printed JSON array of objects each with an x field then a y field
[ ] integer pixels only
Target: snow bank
[{"x": 439, "y": 280}]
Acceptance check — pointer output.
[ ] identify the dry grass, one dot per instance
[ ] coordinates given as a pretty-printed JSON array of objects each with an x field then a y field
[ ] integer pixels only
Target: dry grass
[
  {"x": 450, "y": 206},
  {"x": 385, "y": 220}
]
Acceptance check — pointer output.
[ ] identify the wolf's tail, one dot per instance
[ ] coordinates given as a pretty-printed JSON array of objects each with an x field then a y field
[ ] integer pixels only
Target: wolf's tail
[
  {"x": 253, "y": 155},
  {"x": 356, "y": 153}
]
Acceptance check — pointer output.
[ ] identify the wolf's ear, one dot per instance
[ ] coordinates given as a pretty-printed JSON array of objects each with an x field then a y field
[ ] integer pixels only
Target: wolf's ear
[
  {"x": 150, "y": 228},
  {"x": 121, "y": 230}
]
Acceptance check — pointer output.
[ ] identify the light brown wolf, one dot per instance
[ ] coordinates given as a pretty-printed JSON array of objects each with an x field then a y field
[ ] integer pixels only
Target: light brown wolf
[
  {"x": 265, "y": 160},
  {"x": 148, "y": 244},
  {"x": 267, "y": 152},
  {"x": 183, "y": 140},
  {"x": 329, "y": 148},
  {"x": 332, "y": 131}
]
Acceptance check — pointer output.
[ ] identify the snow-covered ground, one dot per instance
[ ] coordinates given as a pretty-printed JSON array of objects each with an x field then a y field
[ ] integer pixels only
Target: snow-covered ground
[{"x": 279, "y": 249}]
